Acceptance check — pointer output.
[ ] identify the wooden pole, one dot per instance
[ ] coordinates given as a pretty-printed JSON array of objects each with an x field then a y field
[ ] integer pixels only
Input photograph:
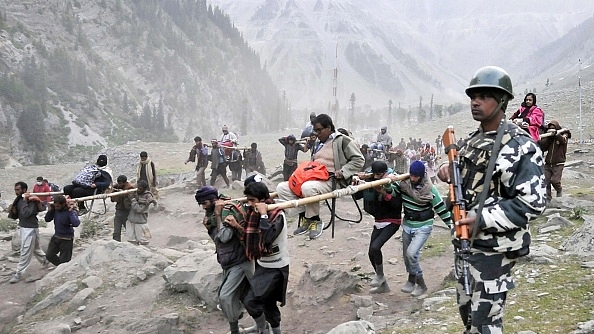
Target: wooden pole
[
  {"x": 549, "y": 134},
  {"x": 336, "y": 193},
  {"x": 100, "y": 196},
  {"x": 244, "y": 199},
  {"x": 46, "y": 193}
]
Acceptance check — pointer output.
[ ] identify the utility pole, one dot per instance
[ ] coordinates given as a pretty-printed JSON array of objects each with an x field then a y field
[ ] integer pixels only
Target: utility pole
[
  {"x": 334, "y": 87},
  {"x": 580, "y": 89}
]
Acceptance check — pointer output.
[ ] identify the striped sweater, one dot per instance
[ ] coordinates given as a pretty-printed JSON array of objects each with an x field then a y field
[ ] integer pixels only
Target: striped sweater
[{"x": 423, "y": 212}]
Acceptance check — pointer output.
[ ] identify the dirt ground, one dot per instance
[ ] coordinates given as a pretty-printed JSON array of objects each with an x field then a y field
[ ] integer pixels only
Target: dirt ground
[{"x": 179, "y": 221}]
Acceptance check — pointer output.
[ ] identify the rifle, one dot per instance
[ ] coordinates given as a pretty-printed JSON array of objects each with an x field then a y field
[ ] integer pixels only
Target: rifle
[{"x": 459, "y": 206}]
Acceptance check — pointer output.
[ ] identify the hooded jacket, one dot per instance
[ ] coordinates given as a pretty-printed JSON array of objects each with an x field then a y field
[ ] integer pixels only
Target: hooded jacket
[{"x": 555, "y": 146}]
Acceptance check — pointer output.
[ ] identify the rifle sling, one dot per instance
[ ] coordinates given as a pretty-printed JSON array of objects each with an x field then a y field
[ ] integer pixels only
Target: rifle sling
[{"x": 489, "y": 173}]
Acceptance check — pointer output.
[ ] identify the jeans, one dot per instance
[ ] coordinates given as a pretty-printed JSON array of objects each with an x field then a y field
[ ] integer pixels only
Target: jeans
[{"x": 413, "y": 240}]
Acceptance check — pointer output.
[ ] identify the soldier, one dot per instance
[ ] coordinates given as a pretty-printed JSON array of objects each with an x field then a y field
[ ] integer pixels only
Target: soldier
[{"x": 500, "y": 230}]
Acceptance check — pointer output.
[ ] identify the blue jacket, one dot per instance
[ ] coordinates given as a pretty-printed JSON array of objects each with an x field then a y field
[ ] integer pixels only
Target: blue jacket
[{"x": 64, "y": 222}]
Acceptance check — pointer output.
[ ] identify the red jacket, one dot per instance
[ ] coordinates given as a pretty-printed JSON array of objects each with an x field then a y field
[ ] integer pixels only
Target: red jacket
[
  {"x": 534, "y": 118},
  {"x": 43, "y": 188}
]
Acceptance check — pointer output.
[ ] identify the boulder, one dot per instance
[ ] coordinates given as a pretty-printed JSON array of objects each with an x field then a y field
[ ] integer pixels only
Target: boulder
[
  {"x": 327, "y": 282},
  {"x": 109, "y": 260},
  {"x": 79, "y": 299},
  {"x": 59, "y": 295},
  {"x": 198, "y": 273},
  {"x": 354, "y": 327},
  {"x": 581, "y": 242}
]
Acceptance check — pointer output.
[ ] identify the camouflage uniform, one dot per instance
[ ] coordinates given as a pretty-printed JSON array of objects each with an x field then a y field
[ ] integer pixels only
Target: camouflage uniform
[{"x": 516, "y": 194}]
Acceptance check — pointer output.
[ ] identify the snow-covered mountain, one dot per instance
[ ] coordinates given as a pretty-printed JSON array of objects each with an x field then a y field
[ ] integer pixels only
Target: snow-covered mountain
[{"x": 397, "y": 50}]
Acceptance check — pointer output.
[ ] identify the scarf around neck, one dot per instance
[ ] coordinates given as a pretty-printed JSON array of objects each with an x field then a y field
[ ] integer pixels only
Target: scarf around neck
[
  {"x": 420, "y": 193},
  {"x": 254, "y": 245},
  {"x": 149, "y": 170}
]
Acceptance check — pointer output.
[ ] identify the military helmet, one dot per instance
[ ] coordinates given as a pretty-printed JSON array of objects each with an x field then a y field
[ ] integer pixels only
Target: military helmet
[{"x": 491, "y": 77}]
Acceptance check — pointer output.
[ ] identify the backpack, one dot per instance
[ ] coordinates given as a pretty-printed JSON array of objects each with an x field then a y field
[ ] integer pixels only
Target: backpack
[
  {"x": 87, "y": 175},
  {"x": 307, "y": 171}
]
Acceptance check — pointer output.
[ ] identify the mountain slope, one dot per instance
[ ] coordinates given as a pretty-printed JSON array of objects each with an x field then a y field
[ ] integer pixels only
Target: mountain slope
[
  {"x": 406, "y": 48},
  {"x": 89, "y": 73}
]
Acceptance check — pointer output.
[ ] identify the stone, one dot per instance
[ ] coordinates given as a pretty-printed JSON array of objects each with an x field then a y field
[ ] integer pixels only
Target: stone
[
  {"x": 60, "y": 329},
  {"x": 108, "y": 255},
  {"x": 90, "y": 321},
  {"x": 171, "y": 254},
  {"x": 361, "y": 301},
  {"x": 328, "y": 282},
  {"x": 365, "y": 313},
  {"x": 430, "y": 302},
  {"x": 140, "y": 275},
  {"x": 79, "y": 299},
  {"x": 354, "y": 327},
  {"x": 584, "y": 327},
  {"x": 59, "y": 295},
  {"x": 92, "y": 282},
  {"x": 198, "y": 273}
]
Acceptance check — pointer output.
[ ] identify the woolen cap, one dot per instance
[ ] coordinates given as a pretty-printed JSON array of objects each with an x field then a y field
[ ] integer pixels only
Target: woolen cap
[
  {"x": 379, "y": 167},
  {"x": 206, "y": 193},
  {"x": 417, "y": 168},
  {"x": 252, "y": 179}
]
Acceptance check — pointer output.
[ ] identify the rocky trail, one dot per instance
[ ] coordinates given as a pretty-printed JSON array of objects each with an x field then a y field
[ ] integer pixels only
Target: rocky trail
[{"x": 170, "y": 285}]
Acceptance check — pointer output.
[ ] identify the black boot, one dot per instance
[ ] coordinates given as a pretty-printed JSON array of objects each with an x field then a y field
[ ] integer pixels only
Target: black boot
[
  {"x": 410, "y": 284},
  {"x": 421, "y": 288}
]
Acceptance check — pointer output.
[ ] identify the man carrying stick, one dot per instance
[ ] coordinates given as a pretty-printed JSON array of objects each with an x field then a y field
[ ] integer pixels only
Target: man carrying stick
[
  {"x": 554, "y": 142},
  {"x": 386, "y": 208},
  {"x": 25, "y": 208}
]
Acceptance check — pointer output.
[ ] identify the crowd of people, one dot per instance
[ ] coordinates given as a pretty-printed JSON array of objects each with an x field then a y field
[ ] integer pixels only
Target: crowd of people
[
  {"x": 64, "y": 208},
  {"x": 505, "y": 178}
]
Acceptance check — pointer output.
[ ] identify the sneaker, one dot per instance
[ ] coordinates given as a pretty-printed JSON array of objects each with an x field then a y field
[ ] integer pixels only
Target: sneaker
[
  {"x": 315, "y": 229},
  {"x": 15, "y": 278},
  {"x": 45, "y": 263},
  {"x": 301, "y": 229}
]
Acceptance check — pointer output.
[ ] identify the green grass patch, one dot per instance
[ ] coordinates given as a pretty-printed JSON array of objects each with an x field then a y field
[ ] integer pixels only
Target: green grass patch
[
  {"x": 438, "y": 243},
  {"x": 7, "y": 225},
  {"x": 173, "y": 170},
  {"x": 580, "y": 192},
  {"x": 560, "y": 297}
]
